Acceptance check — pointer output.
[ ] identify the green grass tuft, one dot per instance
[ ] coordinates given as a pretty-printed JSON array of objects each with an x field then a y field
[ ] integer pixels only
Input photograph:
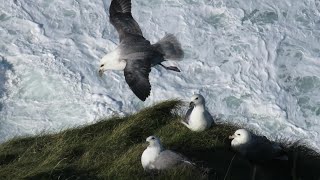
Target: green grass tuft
[{"x": 111, "y": 149}]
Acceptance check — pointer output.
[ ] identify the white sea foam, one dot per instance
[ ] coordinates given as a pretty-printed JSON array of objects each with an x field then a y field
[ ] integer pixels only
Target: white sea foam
[{"x": 256, "y": 62}]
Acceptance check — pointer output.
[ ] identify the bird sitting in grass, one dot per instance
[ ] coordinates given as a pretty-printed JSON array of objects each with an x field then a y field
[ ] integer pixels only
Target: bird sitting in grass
[
  {"x": 197, "y": 117},
  {"x": 257, "y": 149},
  {"x": 155, "y": 157}
]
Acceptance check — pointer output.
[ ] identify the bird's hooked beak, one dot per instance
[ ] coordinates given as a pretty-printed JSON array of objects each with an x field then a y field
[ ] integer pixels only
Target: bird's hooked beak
[
  {"x": 101, "y": 70},
  {"x": 191, "y": 104},
  {"x": 232, "y": 137},
  {"x": 146, "y": 144}
]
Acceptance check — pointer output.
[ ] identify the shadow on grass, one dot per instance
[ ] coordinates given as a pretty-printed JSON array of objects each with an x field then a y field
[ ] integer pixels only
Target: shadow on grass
[
  {"x": 223, "y": 163},
  {"x": 305, "y": 162},
  {"x": 218, "y": 160},
  {"x": 7, "y": 159}
]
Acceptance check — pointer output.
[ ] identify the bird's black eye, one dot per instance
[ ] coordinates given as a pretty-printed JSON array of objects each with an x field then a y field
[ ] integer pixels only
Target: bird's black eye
[
  {"x": 197, "y": 98},
  {"x": 238, "y": 134},
  {"x": 102, "y": 65},
  {"x": 153, "y": 138}
]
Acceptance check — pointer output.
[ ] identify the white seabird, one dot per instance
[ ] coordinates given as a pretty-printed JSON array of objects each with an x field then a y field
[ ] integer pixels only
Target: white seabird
[
  {"x": 197, "y": 117},
  {"x": 257, "y": 149},
  {"x": 155, "y": 157},
  {"x": 135, "y": 55}
]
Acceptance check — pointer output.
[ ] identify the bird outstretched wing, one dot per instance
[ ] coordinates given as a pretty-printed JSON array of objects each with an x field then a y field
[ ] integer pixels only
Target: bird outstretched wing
[
  {"x": 136, "y": 74},
  {"x": 121, "y": 18}
]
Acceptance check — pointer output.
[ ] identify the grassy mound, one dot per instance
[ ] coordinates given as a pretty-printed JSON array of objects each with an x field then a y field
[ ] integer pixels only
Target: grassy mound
[{"x": 111, "y": 149}]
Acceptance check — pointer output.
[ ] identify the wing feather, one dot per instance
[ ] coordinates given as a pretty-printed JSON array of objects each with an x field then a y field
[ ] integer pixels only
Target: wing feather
[
  {"x": 262, "y": 149},
  {"x": 187, "y": 117},
  {"x": 136, "y": 74},
  {"x": 121, "y": 18},
  {"x": 168, "y": 159}
]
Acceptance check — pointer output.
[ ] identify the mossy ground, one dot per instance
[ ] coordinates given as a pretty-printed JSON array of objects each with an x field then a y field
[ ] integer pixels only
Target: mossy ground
[{"x": 111, "y": 149}]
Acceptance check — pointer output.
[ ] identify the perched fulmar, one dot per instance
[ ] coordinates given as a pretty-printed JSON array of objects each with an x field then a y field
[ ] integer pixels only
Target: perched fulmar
[
  {"x": 155, "y": 157},
  {"x": 198, "y": 117}
]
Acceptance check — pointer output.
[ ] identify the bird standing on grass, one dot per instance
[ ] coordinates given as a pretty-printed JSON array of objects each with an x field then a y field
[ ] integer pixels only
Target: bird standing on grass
[
  {"x": 135, "y": 55},
  {"x": 155, "y": 157},
  {"x": 197, "y": 117}
]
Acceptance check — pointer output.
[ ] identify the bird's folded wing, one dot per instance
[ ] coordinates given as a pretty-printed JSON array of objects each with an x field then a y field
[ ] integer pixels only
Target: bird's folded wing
[
  {"x": 121, "y": 18},
  {"x": 261, "y": 149},
  {"x": 188, "y": 114},
  {"x": 209, "y": 117},
  {"x": 168, "y": 159},
  {"x": 136, "y": 74}
]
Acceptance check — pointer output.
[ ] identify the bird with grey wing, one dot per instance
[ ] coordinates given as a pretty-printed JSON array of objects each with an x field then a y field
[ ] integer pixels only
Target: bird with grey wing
[
  {"x": 257, "y": 149},
  {"x": 197, "y": 117},
  {"x": 155, "y": 157},
  {"x": 135, "y": 55}
]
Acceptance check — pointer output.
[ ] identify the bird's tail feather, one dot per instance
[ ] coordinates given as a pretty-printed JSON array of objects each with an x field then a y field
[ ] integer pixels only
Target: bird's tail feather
[
  {"x": 188, "y": 162},
  {"x": 203, "y": 170},
  {"x": 170, "y": 47}
]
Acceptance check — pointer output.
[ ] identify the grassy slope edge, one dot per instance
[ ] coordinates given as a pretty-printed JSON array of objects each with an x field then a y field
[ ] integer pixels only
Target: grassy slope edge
[{"x": 111, "y": 149}]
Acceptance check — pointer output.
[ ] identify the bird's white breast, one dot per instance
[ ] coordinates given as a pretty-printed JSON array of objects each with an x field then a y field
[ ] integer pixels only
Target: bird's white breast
[
  {"x": 198, "y": 121},
  {"x": 239, "y": 146},
  {"x": 235, "y": 143},
  {"x": 148, "y": 157}
]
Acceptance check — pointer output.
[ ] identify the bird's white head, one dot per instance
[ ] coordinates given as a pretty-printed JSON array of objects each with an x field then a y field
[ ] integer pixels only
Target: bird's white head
[
  {"x": 111, "y": 61},
  {"x": 153, "y": 141},
  {"x": 197, "y": 99},
  {"x": 240, "y": 137}
]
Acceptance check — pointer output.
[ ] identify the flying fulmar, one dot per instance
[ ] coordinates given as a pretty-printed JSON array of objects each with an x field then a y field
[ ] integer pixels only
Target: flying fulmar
[{"x": 135, "y": 55}]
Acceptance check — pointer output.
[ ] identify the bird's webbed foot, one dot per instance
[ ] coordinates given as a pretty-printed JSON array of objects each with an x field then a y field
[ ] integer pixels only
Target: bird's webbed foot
[{"x": 171, "y": 68}]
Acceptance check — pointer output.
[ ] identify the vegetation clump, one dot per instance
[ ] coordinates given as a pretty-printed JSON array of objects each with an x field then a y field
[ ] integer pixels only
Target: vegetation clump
[{"x": 111, "y": 149}]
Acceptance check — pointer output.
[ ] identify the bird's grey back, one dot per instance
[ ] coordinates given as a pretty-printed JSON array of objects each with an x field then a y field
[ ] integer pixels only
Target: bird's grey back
[
  {"x": 262, "y": 149},
  {"x": 136, "y": 47},
  {"x": 168, "y": 159}
]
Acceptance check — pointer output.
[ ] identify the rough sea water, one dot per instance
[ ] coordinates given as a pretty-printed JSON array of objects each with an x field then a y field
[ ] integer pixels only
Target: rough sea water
[{"x": 256, "y": 62}]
